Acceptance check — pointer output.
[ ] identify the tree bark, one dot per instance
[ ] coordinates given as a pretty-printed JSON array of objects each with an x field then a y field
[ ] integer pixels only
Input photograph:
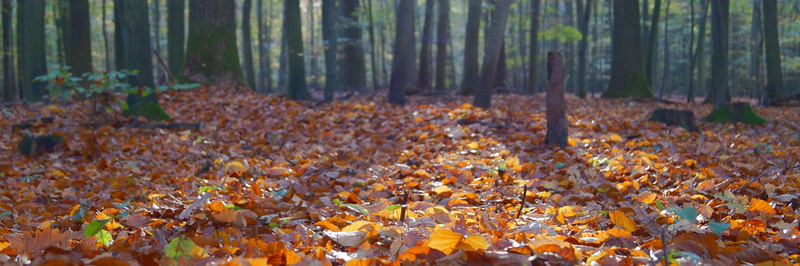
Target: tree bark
[
  {"x": 583, "y": 26},
  {"x": 176, "y": 31},
  {"x": 354, "y": 72},
  {"x": 773, "y": 52},
  {"x": 719, "y": 56},
  {"x": 135, "y": 40},
  {"x": 443, "y": 40},
  {"x": 652, "y": 45},
  {"x": 700, "y": 54},
  {"x": 471, "y": 75},
  {"x": 483, "y": 96},
  {"x": 79, "y": 56},
  {"x": 247, "y": 48},
  {"x": 627, "y": 70},
  {"x": 533, "y": 61},
  {"x": 105, "y": 37},
  {"x": 424, "y": 76},
  {"x": 297, "y": 89},
  {"x": 31, "y": 47},
  {"x": 666, "y": 52},
  {"x": 373, "y": 55},
  {"x": 403, "y": 64},
  {"x": 756, "y": 49},
  {"x": 10, "y": 89},
  {"x": 211, "y": 53},
  {"x": 557, "y": 123},
  {"x": 329, "y": 36}
]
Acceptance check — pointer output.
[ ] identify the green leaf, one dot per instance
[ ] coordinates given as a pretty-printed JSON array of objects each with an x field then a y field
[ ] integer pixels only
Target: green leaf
[
  {"x": 6, "y": 111},
  {"x": 5, "y": 213},
  {"x": 718, "y": 228},
  {"x": 560, "y": 164},
  {"x": 689, "y": 213},
  {"x": 337, "y": 202},
  {"x": 94, "y": 227},
  {"x": 105, "y": 237},
  {"x": 357, "y": 208},
  {"x": 178, "y": 248},
  {"x": 80, "y": 214},
  {"x": 660, "y": 206},
  {"x": 393, "y": 207},
  {"x": 234, "y": 207},
  {"x": 204, "y": 189}
]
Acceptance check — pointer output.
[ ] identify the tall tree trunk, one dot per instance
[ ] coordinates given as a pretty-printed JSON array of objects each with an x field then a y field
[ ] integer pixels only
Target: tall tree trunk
[
  {"x": 652, "y": 45},
  {"x": 424, "y": 76},
  {"x": 105, "y": 37},
  {"x": 583, "y": 26},
  {"x": 135, "y": 41},
  {"x": 329, "y": 35},
  {"x": 79, "y": 56},
  {"x": 31, "y": 48},
  {"x": 645, "y": 19},
  {"x": 443, "y": 40},
  {"x": 354, "y": 72},
  {"x": 483, "y": 96},
  {"x": 264, "y": 69},
  {"x": 523, "y": 48},
  {"x": 699, "y": 53},
  {"x": 570, "y": 62},
  {"x": 403, "y": 64},
  {"x": 292, "y": 26},
  {"x": 63, "y": 32},
  {"x": 595, "y": 48},
  {"x": 283, "y": 69},
  {"x": 10, "y": 89},
  {"x": 176, "y": 31},
  {"x": 470, "y": 80},
  {"x": 502, "y": 68},
  {"x": 157, "y": 26},
  {"x": 719, "y": 55},
  {"x": 756, "y": 44},
  {"x": 247, "y": 48},
  {"x": 534, "y": 60},
  {"x": 211, "y": 52},
  {"x": 773, "y": 52},
  {"x": 666, "y": 52},
  {"x": 627, "y": 70},
  {"x": 373, "y": 55},
  {"x": 689, "y": 84}
]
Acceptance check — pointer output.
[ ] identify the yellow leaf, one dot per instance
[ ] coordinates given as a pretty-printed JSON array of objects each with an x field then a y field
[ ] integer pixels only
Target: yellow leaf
[
  {"x": 155, "y": 196},
  {"x": 444, "y": 240},
  {"x": 443, "y": 191},
  {"x": 474, "y": 243},
  {"x": 619, "y": 218},
  {"x": 758, "y": 205},
  {"x": 615, "y": 138},
  {"x": 4, "y": 245},
  {"x": 571, "y": 142},
  {"x": 235, "y": 167},
  {"x": 472, "y": 145},
  {"x": 327, "y": 225},
  {"x": 690, "y": 163},
  {"x": 53, "y": 108},
  {"x": 358, "y": 226}
]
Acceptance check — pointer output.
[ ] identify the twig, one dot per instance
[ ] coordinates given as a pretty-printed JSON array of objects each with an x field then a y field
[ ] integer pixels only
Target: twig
[
  {"x": 172, "y": 79},
  {"x": 664, "y": 246},
  {"x": 29, "y": 122},
  {"x": 522, "y": 203},
  {"x": 404, "y": 205},
  {"x": 774, "y": 166}
]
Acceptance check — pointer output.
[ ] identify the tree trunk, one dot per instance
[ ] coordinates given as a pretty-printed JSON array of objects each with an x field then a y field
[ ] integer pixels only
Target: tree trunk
[
  {"x": 247, "y": 48},
  {"x": 10, "y": 89},
  {"x": 79, "y": 56},
  {"x": 135, "y": 41},
  {"x": 329, "y": 35},
  {"x": 156, "y": 26},
  {"x": 31, "y": 48},
  {"x": 424, "y": 81},
  {"x": 373, "y": 55},
  {"x": 483, "y": 96},
  {"x": 700, "y": 54},
  {"x": 354, "y": 72},
  {"x": 719, "y": 55},
  {"x": 756, "y": 44},
  {"x": 773, "y": 52},
  {"x": 105, "y": 37},
  {"x": 211, "y": 52},
  {"x": 443, "y": 40},
  {"x": 502, "y": 69},
  {"x": 666, "y": 52},
  {"x": 583, "y": 26},
  {"x": 264, "y": 55},
  {"x": 176, "y": 31},
  {"x": 403, "y": 64},
  {"x": 557, "y": 123},
  {"x": 63, "y": 32},
  {"x": 627, "y": 70},
  {"x": 312, "y": 46},
  {"x": 652, "y": 45},
  {"x": 297, "y": 89},
  {"x": 533, "y": 61},
  {"x": 470, "y": 81}
]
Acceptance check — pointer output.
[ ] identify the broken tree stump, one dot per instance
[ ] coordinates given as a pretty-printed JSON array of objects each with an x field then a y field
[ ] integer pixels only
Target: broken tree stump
[
  {"x": 675, "y": 117},
  {"x": 735, "y": 112},
  {"x": 557, "y": 122},
  {"x": 35, "y": 145}
]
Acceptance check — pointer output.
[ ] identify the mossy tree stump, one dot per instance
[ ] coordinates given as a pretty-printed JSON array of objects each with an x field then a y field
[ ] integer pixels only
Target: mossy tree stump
[
  {"x": 674, "y": 117},
  {"x": 35, "y": 145},
  {"x": 735, "y": 112}
]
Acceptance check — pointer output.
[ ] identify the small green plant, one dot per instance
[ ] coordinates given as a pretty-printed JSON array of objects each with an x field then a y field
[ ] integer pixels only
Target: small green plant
[{"x": 61, "y": 83}]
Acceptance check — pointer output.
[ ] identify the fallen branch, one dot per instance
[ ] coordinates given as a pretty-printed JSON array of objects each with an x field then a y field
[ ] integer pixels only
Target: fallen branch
[
  {"x": 774, "y": 166},
  {"x": 30, "y": 121},
  {"x": 174, "y": 125}
]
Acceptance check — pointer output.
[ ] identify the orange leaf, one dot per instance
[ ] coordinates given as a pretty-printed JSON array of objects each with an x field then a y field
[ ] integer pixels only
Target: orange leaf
[
  {"x": 619, "y": 218},
  {"x": 444, "y": 240},
  {"x": 758, "y": 205}
]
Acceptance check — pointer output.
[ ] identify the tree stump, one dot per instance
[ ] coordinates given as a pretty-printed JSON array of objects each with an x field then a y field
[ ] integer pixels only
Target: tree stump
[
  {"x": 35, "y": 145},
  {"x": 557, "y": 122},
  {"x": 675, "y": 117},
  {"x": 735, "y": 112}
]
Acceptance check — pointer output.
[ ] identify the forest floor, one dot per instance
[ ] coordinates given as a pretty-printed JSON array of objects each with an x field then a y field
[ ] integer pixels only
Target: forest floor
[{"x": 266, "y": 180}]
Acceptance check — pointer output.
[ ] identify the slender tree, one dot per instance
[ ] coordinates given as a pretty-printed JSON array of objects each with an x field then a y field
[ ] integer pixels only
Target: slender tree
[
  {"x": 533, "y": 61},
  {"x": 443, "y": 40},
  {"x": 31, "y": 47},
  {"x": 329, "y": 35},
  {"x": 10, "y": 89},
  {"x": 264, "y": 43},
  {"x": 134, "y": 49},
  {"x": 247, "y": 48},
  {"x": 627, "y": 70},
  {"x": 403, "y": 64},
  {"x": 297, "y": 89},
  {"x": 424, "y": 76},
  {"x": 666, "y": 51},
  {"x": 756, "y": 44},
  {"x": 469, "y": 83},
  {"x": 79, "y": 55},
  {"x": 483, "y": 96},
  {"x": 719, "y": 55},
  {"x": 373, "y": 56},
  {"x": 773, "y": 52},
  {"x": 584, "y": 10},
  {"x": 699, "y": 54},
  {"x": 176, "y": 31},
  {"x": 105, "y": 36},
  {"x": 211, "y": 52},
  {"x": 652, "y": 45},
  {"x": 354, "y": 73}
]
